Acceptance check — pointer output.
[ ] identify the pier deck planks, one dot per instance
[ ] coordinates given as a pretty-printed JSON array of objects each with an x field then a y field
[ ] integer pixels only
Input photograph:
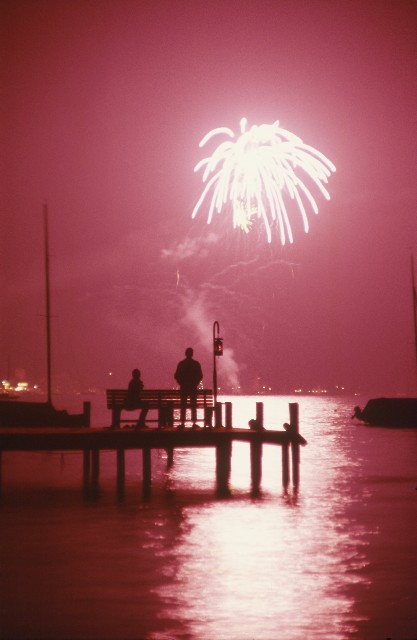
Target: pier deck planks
[{"x": 73, "y": 439}]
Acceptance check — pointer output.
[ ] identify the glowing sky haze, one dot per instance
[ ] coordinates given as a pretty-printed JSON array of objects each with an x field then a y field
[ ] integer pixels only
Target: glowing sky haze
[{"x": 103, "y": 104}]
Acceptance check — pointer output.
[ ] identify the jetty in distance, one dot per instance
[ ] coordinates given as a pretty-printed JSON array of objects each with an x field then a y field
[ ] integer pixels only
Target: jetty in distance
[{"x": 91, "y": 441}]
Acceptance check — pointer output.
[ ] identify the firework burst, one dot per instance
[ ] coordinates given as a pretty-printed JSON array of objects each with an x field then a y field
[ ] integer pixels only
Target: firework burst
[{"x": 253, "y": 173}]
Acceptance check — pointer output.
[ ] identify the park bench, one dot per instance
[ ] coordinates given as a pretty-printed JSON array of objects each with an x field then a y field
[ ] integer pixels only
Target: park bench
[{"x": 166, "y": 402}]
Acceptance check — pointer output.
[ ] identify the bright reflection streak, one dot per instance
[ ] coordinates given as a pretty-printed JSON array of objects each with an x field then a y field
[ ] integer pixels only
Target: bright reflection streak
[
  {"x": 253, "y": 173},
  {"x": 282, "y": 564}
]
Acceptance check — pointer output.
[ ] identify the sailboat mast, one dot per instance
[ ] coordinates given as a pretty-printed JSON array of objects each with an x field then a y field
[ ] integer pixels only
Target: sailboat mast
[
  {"x": 48, "y": 303},
  {"x": 414, "y": 307}
]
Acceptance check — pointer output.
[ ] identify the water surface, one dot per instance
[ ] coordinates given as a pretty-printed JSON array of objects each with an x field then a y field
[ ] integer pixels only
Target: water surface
[{"x": 335, "y": 560}]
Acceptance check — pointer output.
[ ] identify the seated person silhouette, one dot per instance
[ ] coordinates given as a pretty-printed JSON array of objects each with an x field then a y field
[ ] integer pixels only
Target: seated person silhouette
[
  {"x": 133, "y": 399},
  {"x": 188, "y": 375}
]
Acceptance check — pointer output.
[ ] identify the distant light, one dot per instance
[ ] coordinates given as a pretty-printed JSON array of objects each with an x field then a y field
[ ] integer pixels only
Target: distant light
[{"x": 22, "y": 386}]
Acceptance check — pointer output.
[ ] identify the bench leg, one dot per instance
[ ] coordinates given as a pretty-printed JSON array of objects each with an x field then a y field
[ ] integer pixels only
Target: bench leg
[
  {"x": 208, "y": 416},
  {"x": 115, "y": 418},
  {"x": 169, "y": 409},
  {"x": 166, "y": 415}
]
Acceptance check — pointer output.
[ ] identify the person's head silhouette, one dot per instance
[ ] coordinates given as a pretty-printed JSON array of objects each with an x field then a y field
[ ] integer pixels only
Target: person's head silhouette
[{"x": 189, "y": 352}]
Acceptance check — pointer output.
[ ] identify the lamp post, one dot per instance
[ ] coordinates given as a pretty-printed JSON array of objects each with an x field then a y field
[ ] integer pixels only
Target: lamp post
[{"x": 217, "y": 351}]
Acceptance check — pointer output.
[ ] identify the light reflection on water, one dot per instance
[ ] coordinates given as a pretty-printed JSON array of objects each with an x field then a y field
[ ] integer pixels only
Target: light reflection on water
[
  {"x": 189, "y": 566},
  {"x": 253, "y": 567}
]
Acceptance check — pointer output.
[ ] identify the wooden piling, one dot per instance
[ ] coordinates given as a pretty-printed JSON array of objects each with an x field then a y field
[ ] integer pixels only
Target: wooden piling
[
  {"x": 295, "y": 444},
  {"x": 223, "y": 467},
  {"x": 170, "y": 457},
  {"x": 285, "y": 465},
  {"x": 256, "y": 465},
  {"x": 228, "y": 415},
  {"x": 86, "y": 472},
  {"x": 120, "y": 466},
  {"x": 260, "y": 415},
  {"x": 147, "y": 472},
  {"x": 95, "y": 463},
  {"x": 218, "y": 414},
  {"x": 86, "y": 463},
  {"x": 256, "y": 451}
]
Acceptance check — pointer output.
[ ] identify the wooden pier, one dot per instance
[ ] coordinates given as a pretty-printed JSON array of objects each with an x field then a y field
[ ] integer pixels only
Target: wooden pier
[{"x": 91, "y": 441}]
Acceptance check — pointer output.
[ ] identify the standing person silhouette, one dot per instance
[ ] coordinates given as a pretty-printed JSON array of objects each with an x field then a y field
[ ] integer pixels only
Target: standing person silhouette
[{"x": 188, "y": 375}]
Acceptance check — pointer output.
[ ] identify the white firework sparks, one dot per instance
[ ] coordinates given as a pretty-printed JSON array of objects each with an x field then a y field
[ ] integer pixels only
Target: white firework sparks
[{"x": 253, "y": 173}]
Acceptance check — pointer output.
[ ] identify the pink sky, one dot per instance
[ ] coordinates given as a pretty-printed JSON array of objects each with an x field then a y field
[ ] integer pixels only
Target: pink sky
[{"x": 103, "y": 105}]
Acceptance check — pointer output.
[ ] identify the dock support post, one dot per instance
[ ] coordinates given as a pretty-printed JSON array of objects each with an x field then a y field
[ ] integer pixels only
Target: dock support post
[
  {"x": 223, "y": 467},
  {"x": 285, "y": 466},
  {"x": 86, "y": 472},
  {"x": 218, "y": 414},
  {"x": 295, "y": 445},
  {"x": 95, "y": 460},
  {"x": 256, "y": 466},
  {"x": 120, "y": 470},
  {"x": 86, "y": 464},
  {"x": 147, "y": 472},
  {"x": 91, "y": 466},
  {"x": 170, "y": 457},
  {"x": 228, "y": 415}
]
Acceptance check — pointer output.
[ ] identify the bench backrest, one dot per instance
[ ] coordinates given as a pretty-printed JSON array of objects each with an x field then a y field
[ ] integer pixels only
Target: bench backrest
[{"x": 158, "y": 397}]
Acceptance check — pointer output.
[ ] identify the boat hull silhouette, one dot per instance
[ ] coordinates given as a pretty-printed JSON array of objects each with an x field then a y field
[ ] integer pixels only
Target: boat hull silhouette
[
  {"x": 389, "y": 412},
  {"x": 40, "y": 414}
]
